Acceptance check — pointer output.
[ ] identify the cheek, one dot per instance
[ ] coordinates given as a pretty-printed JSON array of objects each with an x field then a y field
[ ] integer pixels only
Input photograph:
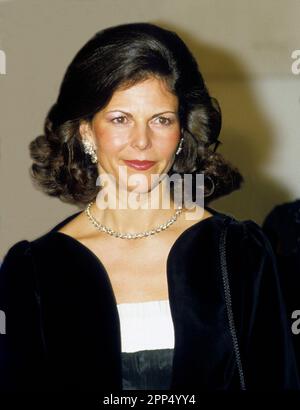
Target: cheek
[
  {"x": 109, "y": 142},
  {"x": 113, "y": 141},
  {"x": 167, "y": 146}
]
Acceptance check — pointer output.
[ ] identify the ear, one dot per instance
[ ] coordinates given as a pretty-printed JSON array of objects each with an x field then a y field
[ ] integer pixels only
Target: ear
[{"x": 85, "y": 130}]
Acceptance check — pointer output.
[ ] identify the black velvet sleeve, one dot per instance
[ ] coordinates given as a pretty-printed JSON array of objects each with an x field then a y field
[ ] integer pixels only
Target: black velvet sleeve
[
  {"x": 282, "y": 227},
  {"x": 263, "y": 331},
  {"x": 21, "y": 346}
]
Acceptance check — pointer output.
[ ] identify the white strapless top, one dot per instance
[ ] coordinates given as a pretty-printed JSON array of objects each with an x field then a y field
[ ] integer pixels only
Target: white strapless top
[{"x": 146, "y": 325}]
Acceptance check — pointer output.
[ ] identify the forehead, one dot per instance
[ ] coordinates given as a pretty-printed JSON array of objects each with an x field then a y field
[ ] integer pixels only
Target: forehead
[{"x": 152, "y": 91}]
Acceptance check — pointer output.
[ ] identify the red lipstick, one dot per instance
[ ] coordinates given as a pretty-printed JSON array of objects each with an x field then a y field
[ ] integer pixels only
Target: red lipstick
[{"x": 139, "y": 165}]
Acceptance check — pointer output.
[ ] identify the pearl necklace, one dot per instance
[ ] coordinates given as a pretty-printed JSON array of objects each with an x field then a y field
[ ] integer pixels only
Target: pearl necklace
[{"x": 127, "y": 235}]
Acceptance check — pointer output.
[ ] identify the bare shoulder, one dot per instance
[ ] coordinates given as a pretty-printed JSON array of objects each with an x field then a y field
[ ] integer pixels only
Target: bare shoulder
[
  {"x": 194, "y": 215},
  {"x": 77, "y": 227}
]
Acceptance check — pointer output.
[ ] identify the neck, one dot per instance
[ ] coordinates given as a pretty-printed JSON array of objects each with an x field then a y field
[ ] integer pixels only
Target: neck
[{"x": 134, "y": 212}]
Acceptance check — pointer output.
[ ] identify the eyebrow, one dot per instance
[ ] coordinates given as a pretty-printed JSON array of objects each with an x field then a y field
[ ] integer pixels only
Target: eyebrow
[{"x": 155, "y": 115}]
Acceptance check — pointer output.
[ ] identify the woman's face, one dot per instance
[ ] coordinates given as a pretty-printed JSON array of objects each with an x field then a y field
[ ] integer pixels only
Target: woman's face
[{"x": 139, "y": 123}]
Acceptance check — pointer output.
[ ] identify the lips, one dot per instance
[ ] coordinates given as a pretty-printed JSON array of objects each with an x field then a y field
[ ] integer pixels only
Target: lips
[{"x": 140, "y": 165}]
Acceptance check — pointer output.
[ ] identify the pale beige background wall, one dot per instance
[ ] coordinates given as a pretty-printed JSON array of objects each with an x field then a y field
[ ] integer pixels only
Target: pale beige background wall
[{"x": 243, "y": 48}]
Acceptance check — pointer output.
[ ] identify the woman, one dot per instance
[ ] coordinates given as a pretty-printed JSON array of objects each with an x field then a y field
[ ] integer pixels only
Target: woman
[{"x": 120, "y": 296}]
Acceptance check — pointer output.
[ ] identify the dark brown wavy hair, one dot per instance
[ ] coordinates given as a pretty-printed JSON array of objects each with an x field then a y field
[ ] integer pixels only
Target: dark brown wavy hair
[{"x": 121, "y": 56}]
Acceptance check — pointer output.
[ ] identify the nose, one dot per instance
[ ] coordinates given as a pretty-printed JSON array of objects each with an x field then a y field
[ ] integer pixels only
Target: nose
[{"x": 141, "y": 136}]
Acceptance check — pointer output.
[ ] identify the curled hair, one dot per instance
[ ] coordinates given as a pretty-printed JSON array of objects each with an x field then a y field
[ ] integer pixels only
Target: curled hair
[{"x": 118, "y": 57}]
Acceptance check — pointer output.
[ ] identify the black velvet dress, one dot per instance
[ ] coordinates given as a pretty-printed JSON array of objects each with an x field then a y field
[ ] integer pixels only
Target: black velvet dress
[
  {"x": 230, "y": 322},
  {"x": 147, "y": 335},
  {"x": 147, "y": 369}
]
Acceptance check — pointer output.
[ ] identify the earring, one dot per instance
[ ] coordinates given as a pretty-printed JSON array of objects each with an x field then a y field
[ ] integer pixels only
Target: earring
[
  {"x": 90, "y": 150},
  {"x": 180, "y": 146}
]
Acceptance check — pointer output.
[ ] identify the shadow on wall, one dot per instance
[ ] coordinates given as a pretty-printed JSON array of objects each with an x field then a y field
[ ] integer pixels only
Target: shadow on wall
[{"x": 246, "y": 135}]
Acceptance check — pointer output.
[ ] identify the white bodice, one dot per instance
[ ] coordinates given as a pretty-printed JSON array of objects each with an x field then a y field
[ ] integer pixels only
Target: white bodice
[{"x": 146, "y": 325}]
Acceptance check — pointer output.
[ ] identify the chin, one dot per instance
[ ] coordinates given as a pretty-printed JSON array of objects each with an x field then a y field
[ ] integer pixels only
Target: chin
[{"x": 139, "y": 189}]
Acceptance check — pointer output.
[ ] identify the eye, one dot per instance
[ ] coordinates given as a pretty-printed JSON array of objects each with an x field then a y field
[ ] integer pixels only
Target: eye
[
  {"x": 119, "y": 120},
  {"x": 164, "y": 120}
]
